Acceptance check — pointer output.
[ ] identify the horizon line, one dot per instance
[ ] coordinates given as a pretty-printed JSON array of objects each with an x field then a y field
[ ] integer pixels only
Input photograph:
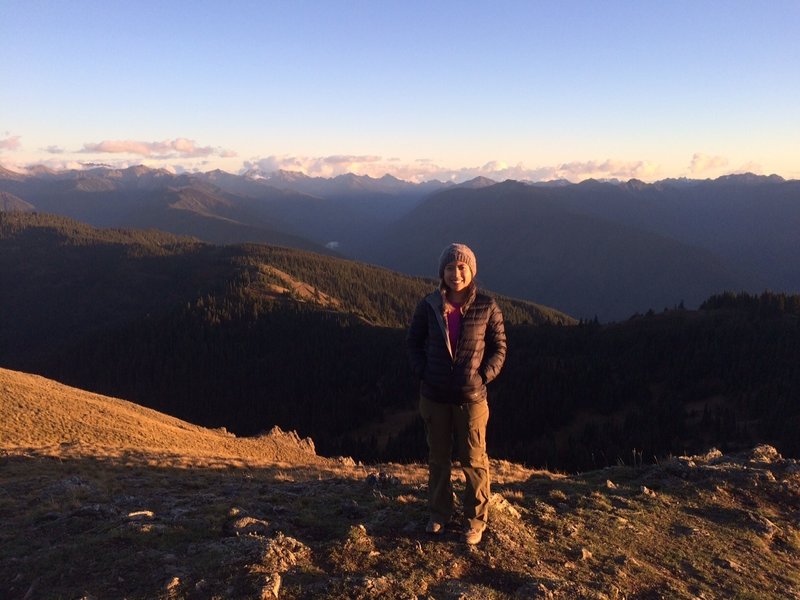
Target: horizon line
[{"x": 30, "y": 171}]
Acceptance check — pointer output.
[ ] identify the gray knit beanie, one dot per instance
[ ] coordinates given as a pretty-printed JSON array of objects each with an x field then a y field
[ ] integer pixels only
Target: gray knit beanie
[{"x": 458, "y": 252}]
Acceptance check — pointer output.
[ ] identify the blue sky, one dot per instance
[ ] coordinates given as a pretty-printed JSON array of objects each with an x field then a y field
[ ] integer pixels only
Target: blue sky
[{"x": 421, "y": 90}]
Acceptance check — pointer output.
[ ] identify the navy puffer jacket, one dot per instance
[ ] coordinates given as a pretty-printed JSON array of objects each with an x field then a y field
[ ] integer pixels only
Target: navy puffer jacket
[{"x": 456, "y": 375}]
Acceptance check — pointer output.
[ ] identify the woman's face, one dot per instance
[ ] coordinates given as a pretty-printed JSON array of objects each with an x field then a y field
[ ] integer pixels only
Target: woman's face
[{"x": 457, "y": 276}]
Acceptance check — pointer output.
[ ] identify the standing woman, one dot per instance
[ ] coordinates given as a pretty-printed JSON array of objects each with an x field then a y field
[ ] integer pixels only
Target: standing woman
[{"x": 457, "y": 345}]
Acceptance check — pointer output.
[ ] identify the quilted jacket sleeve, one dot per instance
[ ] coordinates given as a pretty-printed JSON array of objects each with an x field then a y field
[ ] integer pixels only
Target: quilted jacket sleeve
[
  {"x": 416, "y": 339},
  {"x": 495, "y": 353}
]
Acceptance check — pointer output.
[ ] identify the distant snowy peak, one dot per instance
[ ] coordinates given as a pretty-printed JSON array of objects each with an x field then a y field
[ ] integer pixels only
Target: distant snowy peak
[
  {"x": 477, "y": 183},
  {"x": 11, "y": 175},
  {"x": 41, "y": 171},
  {"x": 347, "y": 183},
  {"x": 750, "y": 178},
  {"x": 274, "y": 177}
]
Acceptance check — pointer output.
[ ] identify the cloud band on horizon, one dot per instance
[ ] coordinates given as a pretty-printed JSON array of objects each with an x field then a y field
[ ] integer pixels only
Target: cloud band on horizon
[
  {"x": 177, "y": 148},
  {"x": 171, "y": 154},
  {"x": 427, "y": 169}
]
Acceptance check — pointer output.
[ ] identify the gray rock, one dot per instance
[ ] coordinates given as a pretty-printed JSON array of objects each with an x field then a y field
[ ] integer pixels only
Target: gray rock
[
  {"x": 497, "y": 502},
  {"x": 283, "y": 552},
  {"x": 249, "y": 526},
  {"x": 762, "y": 525},
  {"x": 382, "y": 480}
]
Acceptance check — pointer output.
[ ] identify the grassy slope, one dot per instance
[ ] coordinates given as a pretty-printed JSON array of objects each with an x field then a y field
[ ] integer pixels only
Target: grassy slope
[
  {"x": 111, "y": 500},
  {"x": 51, "y": 419}
]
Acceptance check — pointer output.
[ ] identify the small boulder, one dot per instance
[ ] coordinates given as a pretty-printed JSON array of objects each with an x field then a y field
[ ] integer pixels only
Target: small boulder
[
  {"x": 249, "y": 526},
  {"x": 497, "y": 502},
  {"x": 382, "y": 480}
]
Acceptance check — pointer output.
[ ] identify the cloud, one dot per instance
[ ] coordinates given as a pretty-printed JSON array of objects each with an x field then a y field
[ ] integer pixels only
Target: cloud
[
  {"x": 10, "y": 143},
  {"x": 500, "y": 171},
  {"x": 63, "y": 163},
  {"x": 349, "y": 159},
  {"x": 56, "y": 164},
  {"x": 750, "y": 167},
  {"x": 702, "y": 163},
  {"x": 120, "y": 147},
  {"x": 322, "y": 166},
  {"x": 425, "y": 169},
  {"x": 177, "y": 148},
  {"x": 607, "y": 169},
  {"x": 54, "y": 150}
]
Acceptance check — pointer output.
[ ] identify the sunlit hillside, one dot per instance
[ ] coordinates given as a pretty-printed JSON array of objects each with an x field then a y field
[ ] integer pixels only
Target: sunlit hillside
[{"x": 42, "y": 417}]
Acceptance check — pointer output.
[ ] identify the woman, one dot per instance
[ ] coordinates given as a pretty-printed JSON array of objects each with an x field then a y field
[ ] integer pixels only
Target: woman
[{"x": 457, "y": 345}]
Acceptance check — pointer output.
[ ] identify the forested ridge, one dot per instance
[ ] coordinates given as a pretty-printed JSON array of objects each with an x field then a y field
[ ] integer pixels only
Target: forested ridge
[
  {"x": 655, "y": 385},
  {"x": 218, "y": 336}
]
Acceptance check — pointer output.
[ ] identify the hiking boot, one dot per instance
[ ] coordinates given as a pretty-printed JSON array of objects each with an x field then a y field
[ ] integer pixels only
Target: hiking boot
[
  {"x": 434, "y": 527},
  {"x": 472, "y": 535}
]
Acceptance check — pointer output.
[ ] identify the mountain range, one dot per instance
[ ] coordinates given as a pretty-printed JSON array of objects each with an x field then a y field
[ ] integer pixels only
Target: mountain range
[
  {"x": 530, "y": 243},
  {"x": 604, "y": 249}
]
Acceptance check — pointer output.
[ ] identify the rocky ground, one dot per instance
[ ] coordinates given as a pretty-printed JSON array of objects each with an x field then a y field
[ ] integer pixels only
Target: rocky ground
[
  {"x": 82, "y": 520},
  {"x": 703, "y": 527}
]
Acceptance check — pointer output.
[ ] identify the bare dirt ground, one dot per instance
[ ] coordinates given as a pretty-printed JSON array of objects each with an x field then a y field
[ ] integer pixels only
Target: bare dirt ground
[{"x": 101, "y": 498}]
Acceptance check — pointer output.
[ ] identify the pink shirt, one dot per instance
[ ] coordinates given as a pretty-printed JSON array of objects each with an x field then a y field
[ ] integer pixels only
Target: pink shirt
[{"x": 454, "y": 326}]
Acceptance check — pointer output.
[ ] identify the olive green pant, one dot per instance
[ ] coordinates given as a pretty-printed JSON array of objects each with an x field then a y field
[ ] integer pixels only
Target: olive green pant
[{"x": 466, "y": 424}]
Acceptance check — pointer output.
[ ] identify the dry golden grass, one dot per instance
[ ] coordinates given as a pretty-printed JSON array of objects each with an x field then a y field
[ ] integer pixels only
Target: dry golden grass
[
  {"x": 41, "y": 416},
  {"x": 100, "y": 498}
]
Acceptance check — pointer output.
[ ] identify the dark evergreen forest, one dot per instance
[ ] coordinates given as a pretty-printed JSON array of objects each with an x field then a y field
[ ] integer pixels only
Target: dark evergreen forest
[{"x": 200, "y": 332}]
